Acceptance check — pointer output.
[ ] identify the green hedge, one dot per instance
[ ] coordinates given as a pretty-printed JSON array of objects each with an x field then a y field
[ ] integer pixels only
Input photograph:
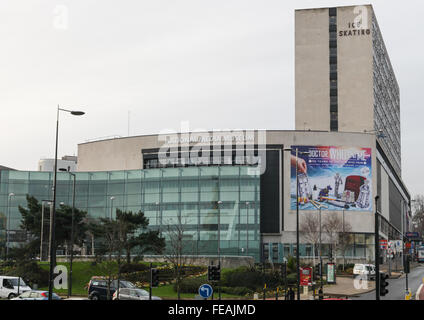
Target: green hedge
[
  {"x": 166, "y": 273},
  {"x": 251, "y": 278}
]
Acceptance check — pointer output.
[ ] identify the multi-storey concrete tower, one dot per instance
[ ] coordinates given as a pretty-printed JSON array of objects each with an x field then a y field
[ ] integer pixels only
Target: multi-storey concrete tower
[{"x": 344, "y": 78}]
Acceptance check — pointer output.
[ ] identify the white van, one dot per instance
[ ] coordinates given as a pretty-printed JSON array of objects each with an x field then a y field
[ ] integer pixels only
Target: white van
[
  {"x": 367, "y": 270},
  {"x": 11, "y": 287}
]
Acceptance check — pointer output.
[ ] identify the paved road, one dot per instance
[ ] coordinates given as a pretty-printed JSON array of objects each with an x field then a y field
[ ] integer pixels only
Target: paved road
[{"x": 397, "y": 286}]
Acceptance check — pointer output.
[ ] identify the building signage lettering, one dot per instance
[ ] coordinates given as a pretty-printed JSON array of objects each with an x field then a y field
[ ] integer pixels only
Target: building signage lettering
[{"x": 354, "y": 29}]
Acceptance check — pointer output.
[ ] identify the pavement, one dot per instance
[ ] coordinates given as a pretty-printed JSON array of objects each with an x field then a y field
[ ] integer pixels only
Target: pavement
[{"x": 345, "y": 286}]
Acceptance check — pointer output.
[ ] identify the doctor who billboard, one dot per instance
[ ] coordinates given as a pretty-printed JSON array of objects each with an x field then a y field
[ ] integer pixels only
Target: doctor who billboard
[{"x": 332, "y": 178}]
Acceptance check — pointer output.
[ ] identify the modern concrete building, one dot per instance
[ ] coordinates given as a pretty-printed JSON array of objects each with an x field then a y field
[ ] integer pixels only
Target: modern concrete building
[
  {"x": 69, "y": 163},
  {"x": 344, "y": 80},
  {"x": 235, "y": 191}
]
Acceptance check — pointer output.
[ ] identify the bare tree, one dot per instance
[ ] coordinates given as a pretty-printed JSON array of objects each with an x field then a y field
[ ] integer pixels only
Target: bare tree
[
  {"x": 345, "y": 239},
  {"x": 338, "y": 234},
  {"x": 179, "y": 252},
  {"x": 310, "y": 229}
]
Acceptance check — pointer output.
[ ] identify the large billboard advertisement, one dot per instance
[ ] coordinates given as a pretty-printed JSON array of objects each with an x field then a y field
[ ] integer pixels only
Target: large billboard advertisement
[{"x": 332, "y": 178}]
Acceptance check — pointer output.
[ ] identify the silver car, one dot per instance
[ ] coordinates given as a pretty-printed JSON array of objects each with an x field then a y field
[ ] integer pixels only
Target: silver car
[
  {"x": 36, "y": 295},
  {"x": 133, "y": 294}
]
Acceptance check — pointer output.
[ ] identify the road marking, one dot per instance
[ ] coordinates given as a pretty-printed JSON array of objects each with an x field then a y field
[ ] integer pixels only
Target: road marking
[{"x": 420, "y": 293}]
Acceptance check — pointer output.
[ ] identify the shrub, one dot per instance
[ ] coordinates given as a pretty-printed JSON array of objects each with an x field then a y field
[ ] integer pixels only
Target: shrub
[
  {"x": 243, "y": 277},
  {"x": 190, "y": 285},
  {"x": 291, "y": 264},
  {"x": 134, "y": 267},
  {"x": 32, "y": 273},
  {"x": 238, "y": 291}
]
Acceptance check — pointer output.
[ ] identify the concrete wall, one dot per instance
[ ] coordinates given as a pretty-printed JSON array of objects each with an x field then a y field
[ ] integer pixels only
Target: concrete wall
[
  {"x": 312, "y": 85},
  {"x": 114, "y": 154},
  {"x": 355, "y": 70}
]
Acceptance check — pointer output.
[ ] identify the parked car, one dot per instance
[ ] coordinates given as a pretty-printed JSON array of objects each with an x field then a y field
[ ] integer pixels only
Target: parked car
[
  {"x": 133, "y": 294},
  {"x": 97, "y": 288},
  {"x": 366, "y": 270},
  {"x": 36, "y": 295},
  {"x": 11, "y": 287}
]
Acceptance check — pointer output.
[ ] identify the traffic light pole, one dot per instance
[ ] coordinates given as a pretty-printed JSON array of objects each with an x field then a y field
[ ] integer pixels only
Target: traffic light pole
[
  {"x": 377, "y": 252},
  {"x": 151, "y": 282}
]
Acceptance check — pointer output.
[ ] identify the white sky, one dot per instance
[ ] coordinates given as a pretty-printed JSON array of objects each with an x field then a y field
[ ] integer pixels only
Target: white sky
[{"x": 222, "y": 64}]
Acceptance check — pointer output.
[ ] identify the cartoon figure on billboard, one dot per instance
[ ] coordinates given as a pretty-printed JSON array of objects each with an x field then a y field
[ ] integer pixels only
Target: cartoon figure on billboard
[
  {"x": 364, "y": 195},
  {"x": 338, "y": 181}
]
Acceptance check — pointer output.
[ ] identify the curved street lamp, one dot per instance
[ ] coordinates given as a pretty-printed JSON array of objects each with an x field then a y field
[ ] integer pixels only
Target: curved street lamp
[
  {"x": 8, "y": 223},
  {"x": 52, "y": 238},
  {"x": 297, "y": 218}
]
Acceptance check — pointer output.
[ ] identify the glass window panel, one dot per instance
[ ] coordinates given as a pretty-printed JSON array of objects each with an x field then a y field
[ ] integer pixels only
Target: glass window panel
[
  {"x": 133, "y": 200},
  {"x": 98, "y": 176},
  {"x": 42, "y": 176},
  {"x": 117, "y": 175},
  {"x": 18, "y": 175},
  {"x": 99, "y": 213},
  {"x": 133, "y": 176},
  {"x": 116, "y": 188},
  {"x": 97, "y": 189},
  {"x": 170, "y": 186},
  {"x": 247, "y": 196},
  {"x": 209, "y": 171},
  {"x": 97, "y": 201},
  {"x": 189, "y": 197},
  {"x": 209, "y": 196},
  {"x": 171, "y": 172},
  {"x": 189, "y": 172},
  {"x": 229, "y": 197},
  {"x": 170, "y": 197},
  {"x": 151, "y": 198},
  {"x": 82, "y": 176},
  {"x": 152, "y": 173},
  {"x": 209, "y": 185},
  {"x": 229, "y": 172},
  {"x": 151, "y": 186},
  {"x": 134, "y": 188},
  {"x": 81, "y": 188},
  {"x": 18, "y": 188},
  {"x": 189, "y": 185}
]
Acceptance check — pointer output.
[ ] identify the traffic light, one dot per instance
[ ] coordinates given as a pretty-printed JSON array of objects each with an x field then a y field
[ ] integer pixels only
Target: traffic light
[
  {"x": 210, "y": 273},
  {"x": 283, "y": 270},
  {"x": 317, "y": 271},
  {"x": 214, "y": 273},
  {"x": 383, "y": 283},
  {"x": 154, "y": 273}
]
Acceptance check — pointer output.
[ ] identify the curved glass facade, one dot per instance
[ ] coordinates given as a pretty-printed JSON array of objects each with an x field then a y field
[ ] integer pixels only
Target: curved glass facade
[{"x": 197, "y": 195}]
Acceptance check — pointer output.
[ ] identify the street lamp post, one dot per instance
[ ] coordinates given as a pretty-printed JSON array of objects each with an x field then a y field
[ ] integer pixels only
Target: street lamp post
[
  {"x": 72, "y": 230},
  {"x": 219, "y": 244},
  {"x": 157, "y": 218},
  {"x": 320, "y": 250},
  {"x": 297, "y": 219},
  {"x": 247, "y": 228},
  {"x": 8, "y": 223},
  {"x": 111, "y": 207},
  {"x": 52, "y": 237}
]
